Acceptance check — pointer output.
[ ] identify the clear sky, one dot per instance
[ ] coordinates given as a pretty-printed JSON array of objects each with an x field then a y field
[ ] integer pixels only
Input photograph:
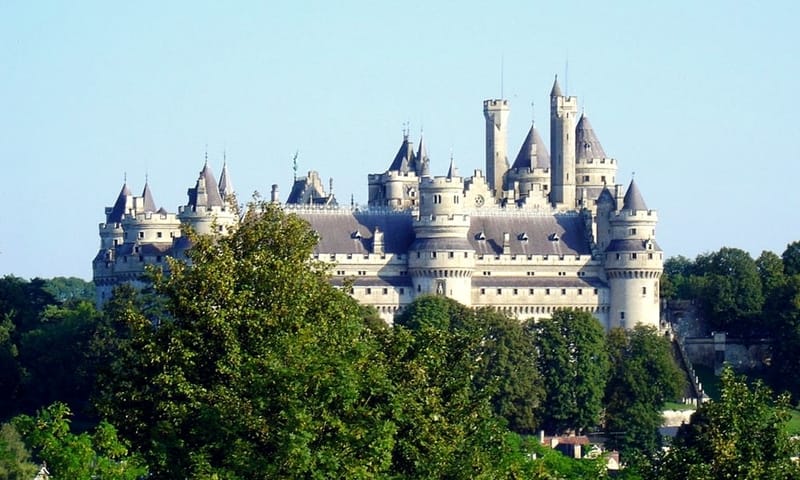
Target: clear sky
[{"x": 696, "y": 98}]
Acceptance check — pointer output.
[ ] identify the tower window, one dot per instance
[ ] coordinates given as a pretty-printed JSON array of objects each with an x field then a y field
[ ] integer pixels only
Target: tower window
[
  {"x": 644, "y": 290},
  {"x": 158, "y": 234},
  {"x": 622, "y": 315},
  {"x": 633, "y": 231},
  {"x": 369, "y": 291},
  {"x": 141, "y": 234}
]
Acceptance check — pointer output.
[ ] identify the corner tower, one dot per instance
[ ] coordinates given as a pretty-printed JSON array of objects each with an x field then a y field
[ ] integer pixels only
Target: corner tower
[
  {"x": 496, "y": 113},
  {"x": 563, "y": 110},
  {"x": 633, "y": 263},
  {"x": 441, "y": 259}
]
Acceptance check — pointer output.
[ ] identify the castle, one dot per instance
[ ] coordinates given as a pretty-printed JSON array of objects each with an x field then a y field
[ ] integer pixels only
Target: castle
[{"x": 551, "y": 230}]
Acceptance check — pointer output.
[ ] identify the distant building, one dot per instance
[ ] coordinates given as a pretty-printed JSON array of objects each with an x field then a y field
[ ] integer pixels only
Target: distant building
[{"x": 548, "y": 231}]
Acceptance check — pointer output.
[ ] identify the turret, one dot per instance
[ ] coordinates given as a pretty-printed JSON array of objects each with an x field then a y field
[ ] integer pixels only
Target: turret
[
  {"x": 593, "y": 168},
  {"x": 441, "y": 259},
  {"x": 633, "y": 263},
  {"x": 529, "y": 176},
  {"x": 397, "y": 187},
  {"x": 496, "y": 114},
  {"x": 206, "y": 211},
  {"x": 563, "y": 110}
]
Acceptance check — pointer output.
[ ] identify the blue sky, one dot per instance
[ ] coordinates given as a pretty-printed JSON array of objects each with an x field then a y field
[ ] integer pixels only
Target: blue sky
[{"x": 697, "y": 98}]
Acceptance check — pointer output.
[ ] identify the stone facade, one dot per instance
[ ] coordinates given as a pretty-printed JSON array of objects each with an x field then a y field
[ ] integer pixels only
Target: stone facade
[{"x": 526, "y": 239}]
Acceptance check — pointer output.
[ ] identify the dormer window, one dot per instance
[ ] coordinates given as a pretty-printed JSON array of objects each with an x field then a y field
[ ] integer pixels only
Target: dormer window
[
  {"x": 553, "y": 237},
  {"x": 480, "y": 236},
  {"x": 355, "y": 235},
  {"x": 522, "y": 237}
]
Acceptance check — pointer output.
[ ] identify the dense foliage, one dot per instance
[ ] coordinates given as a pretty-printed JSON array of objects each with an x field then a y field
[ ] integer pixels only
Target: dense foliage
[{"x": 742, "y": 435}]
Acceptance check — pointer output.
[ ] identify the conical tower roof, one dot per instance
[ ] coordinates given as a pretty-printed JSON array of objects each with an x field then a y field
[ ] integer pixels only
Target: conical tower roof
[
  {"x": 120, "y": 206},
  {"x": 633, "y": 199},
  {"x": 587, "y": 145},
  {"x": 606, "y": 197},
  {"x": 147, "y": 197},
  {"x": 421, "y": 161},
  {"x": 533, "y": 153},
  {"x": 405, "y": 156},
  {"x": 556, "y": 90},
  {"x": 452, "y": 172},
  {"x": 225, "y": 184},
  {"x": 207, "y": 185}
]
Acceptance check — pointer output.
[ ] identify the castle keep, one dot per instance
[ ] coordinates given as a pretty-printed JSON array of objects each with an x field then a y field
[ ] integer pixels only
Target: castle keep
[{"x": 548, "y": 231}]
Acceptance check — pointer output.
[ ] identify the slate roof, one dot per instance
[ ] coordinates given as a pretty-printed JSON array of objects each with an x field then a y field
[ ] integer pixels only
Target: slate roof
[
  {"x": 403, "y": 161},
  {"x": 382, "y": 281},
  {"x": 213, "y": 198},
  {"x": 337, "y": 230},
  {"x": 118, "y": 210},
  {"x": 607, "y": 197},
  {"x": 147, "y": 195},
  {"x": 632, "y": 245},
  {"x": 556, "y": 91},
  {"x": 587, "y": 146},
  {"x": 633, "y": 199},
  {"x": 525, "y": 157},
  {"x": 225, "y": 184},
  {"x": 546, "y": 234}
]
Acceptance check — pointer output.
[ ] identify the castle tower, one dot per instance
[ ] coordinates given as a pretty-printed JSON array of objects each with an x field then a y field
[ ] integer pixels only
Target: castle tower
[
  {"x": 397, "y": 187},
  {"x": 563, "y": 110},
  {"x": 441, "y": 259},
  {"x": 206, "y": 211},
  {"x": 593, "y": 168},
  {"x": 633, "y": 263},
  {"x": 529, "y": 176},
  {"x": 496, "y": 114}
]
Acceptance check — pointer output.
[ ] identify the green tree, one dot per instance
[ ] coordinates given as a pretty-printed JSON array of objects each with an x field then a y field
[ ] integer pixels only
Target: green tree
[
  {"x": 675, "y": 282},
  {"x": 643, "y": 376},
  {"x": 791, "y": 258},
  {"x": 731, "y": 295},
  {"x": 84, "y": 456},
  {"x": 15, "y": 463},
  {"x": 258, "y": 368},
  {"x": 742, "y": 435},
  {"x": 508, "y": 367},
  {"x": 773, "y": 284},
  {"x": 786, "y": 347},
  {"x": 65, "y": 289},
  {"x": 446, "y": 426},
  {"x": 573, "y": 361}
]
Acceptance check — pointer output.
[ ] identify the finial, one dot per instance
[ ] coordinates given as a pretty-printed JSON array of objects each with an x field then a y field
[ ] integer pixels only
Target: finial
[
  {"x": 294, "y": 163},
  {"x": 125, "y": 177},
  {"x": 146, "y": 178},
  {"x": 206, "y": 155},
  {"x": 330, "y": 186},
  {"x": 533, "y": 115},
  {"x": 405, "y": 129},
  {"x": 224, "y": 157},
  {"x": 352, "y": 201}
]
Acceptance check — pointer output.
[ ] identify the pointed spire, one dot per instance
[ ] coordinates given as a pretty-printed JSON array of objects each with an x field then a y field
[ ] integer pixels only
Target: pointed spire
[
  {"x": 147, "y": 197},
  {"x": 452, "y": 172},
  {"x": 206, "y": 191},
  {"x": 405, "y": 155},
  {"x": 533, "y": 153},
  {"x": 120, "y": 205},
  {"x": 556, "y": 90},
  {"x": 587, "y": 146},
  {"x": 633, "y": 198},
  {"x": 421, "y": 160},
  {"x": 225, "y": 184}
]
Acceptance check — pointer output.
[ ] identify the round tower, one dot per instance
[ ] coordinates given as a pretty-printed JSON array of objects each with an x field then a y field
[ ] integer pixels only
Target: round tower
[
  {"x": 562, "y": 145},
  {"x": 633, "y": 263},
  {"x": 206, "y": 211},
  {"x": 441, "y": 259}
]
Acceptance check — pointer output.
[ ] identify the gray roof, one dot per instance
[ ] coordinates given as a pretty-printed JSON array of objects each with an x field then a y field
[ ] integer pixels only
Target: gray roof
[
  {"x": 225, "y": 184},
  {"x": 546, "y": 234},
  {"x": 422, "y": 159},
  {"x": 351, "y": 232},
  {"x": 587, "y": 145},
  {"x": 404, "y": 160},
  {"x": 526, "y": 157},
  {"x": 538, "y": 282},
  {"x": 147, "y": 195},
  {"x": 213, "y": 198},
  {"x": 556, "y": 90},
  {"x": 631, "y": 245},
  {"x": 607, "y": 197},
  {"x": 452, "y": 172},
  {"x": 633, "y": 199},
  {"x": 348, "y": 232},
  {"x": 118, "y": 210}
]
